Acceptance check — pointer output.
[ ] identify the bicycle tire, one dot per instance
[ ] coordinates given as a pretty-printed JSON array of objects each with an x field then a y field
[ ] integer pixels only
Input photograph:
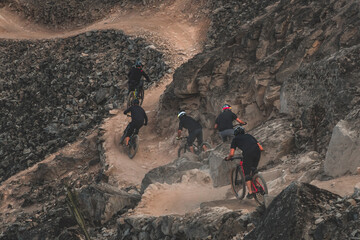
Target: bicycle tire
[
  {"x": 181, "y": 150},
  {"x": 141, "y": 96},
  {"x": 130, "y": 98},
  {"x": 133, "y": 146},
  {"x": 238, "y": 182},
  {"x": 206, "y": 144},
  {"x": 260, "y": 183}
]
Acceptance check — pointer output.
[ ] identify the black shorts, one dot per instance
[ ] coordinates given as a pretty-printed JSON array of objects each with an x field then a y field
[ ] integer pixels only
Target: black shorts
[
  {"x": 195, "y": 134},
  {"x": 251, "y": 161},
  {"x": 135, "y": 85},
  {"x": 132, "y": 128}
]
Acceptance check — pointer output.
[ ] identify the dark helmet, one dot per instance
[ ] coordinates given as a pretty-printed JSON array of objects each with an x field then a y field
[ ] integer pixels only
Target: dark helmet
[
  {"x": 226, "y": 107},
  {"x": 138, "y": 63},
  {"x": 181, "y": 113},
  {"x": 239, "y": 130},
  {"x": 135, "y": 102}
]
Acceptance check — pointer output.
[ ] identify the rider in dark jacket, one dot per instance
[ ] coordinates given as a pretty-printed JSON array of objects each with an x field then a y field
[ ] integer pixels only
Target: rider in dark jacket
[
  {"x": 135, "y": 74},
  {"x": 138, "y": 119},
  {"x": 194, "y": 128},
  {"x": 251, "y": 151},
  {"x": 224, "y": 122}
]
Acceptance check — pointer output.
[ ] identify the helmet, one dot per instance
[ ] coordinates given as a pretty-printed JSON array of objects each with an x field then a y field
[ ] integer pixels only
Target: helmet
[
  {"x": 225, "y": 107},
  {"x": 135, "y": 102},
  {"x": 138, "y": 63},
  {"x": 181, "y": 113},
  {"x": 239, "y": 130}
]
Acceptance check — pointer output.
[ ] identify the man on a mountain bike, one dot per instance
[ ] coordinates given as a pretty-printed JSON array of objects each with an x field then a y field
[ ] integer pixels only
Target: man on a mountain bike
[
  {"x": 224, "y": 122},
  {"x": 251, "y": 150},
  {"x": 135, "y": 74},
  {"x": 194, "y": 128},
  {"x": 138, "y": 119}
]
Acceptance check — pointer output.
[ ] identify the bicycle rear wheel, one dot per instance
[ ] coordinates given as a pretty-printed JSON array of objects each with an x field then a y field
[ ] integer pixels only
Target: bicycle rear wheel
[
  {"x": 259, "y": 187},
  {"x": 181, "y": 151},
  {"x": 207, "y": 145},
  {"x": 141, "y": 96},
  {"x": 133, "y": 146},
  {"x": 130, "y": 98},
  {"x": 238, "y": 182}
]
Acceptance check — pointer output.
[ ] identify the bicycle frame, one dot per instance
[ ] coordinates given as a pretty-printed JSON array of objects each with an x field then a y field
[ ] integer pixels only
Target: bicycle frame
[{"x": 255, "y": 185}]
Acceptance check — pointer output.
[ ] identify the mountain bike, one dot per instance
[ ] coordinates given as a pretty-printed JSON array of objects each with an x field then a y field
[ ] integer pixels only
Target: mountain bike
[
  {"x": 197, "y": 148},
  {"x": 258, "y": 184},
  {"x": 133, "y": 146},
  {"x": 136, "y": 94}
]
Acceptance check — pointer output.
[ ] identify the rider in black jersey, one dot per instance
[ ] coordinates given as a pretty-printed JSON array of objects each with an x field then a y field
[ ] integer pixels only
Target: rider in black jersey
[
  {"x": 251, "y": 151},
  {"x": 135, "y": 74},
  {"x": 194, "y": 128},
  {"x": 224, "y": 122},
  {"x": 138, "y": 119}
]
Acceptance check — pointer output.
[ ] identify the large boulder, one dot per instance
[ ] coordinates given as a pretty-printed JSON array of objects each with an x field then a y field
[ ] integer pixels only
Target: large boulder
[
  {"x": 220, "y": 170},
  {"x": 101, "y": 202},
  {"x": 343, "y": 153},
  {"x": 303, "y": 211},
  {"x": 172, "y": 172}
]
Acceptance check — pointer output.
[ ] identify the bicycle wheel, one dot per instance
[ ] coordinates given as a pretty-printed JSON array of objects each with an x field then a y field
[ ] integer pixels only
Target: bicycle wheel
[
  {"x": 181, "y": 151},
  {"x": 141, "y": 96},
  {"x": 207, "y": 145},
  {"x": 133, "y": 146},
  {"x": 238, "y": 182},
  {"x": 130, "y": 98},
  {"x": 259, "y": 187}
]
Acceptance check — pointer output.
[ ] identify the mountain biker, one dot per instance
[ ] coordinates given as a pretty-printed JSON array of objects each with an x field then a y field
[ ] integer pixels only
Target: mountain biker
[
  {"x": 251, "y": 150},
  {"x": 138, "y": 119},
  {"x": 224, "y": 122},
  {"x": 194, "y": 128},
  {"x": 135, "y": 74}
]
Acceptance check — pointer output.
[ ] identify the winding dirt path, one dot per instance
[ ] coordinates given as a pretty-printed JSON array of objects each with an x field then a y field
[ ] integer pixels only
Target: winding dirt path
[{"x": 170, "y": 30}]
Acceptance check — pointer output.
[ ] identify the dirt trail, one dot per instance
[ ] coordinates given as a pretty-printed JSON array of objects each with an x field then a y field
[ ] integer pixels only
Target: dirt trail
[{"x": 170, "y": 30}]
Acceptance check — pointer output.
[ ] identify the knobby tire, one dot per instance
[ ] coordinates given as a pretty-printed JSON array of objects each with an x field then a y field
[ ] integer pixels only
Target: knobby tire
[
  {"x": 238, "y": 182},
  {"x": 260, "y": 183},
  {"x": 133, "y": 146},
  {"x": 181, "y": 150},
  {"x": 130, "y": 98}
]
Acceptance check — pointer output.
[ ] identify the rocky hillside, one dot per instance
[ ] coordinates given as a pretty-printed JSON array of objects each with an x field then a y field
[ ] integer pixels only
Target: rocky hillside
[
  {"x": 292, "y": 52},
  {"x": 288, "y": 68},
  {"x": 53, "y": 91}
]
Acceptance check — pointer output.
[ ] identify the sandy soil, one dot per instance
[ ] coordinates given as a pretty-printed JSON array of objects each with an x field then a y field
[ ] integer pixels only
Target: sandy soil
[{"x": 180, "y": 38}]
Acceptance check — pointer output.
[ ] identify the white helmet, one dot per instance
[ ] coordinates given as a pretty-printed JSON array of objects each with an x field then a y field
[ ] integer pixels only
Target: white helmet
[{"x": 181, "y": 113}]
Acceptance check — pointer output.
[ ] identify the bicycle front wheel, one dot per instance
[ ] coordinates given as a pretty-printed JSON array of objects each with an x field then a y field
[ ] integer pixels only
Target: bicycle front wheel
[
  {"x": 238, "y": 182},
  {"x": 259, "y": 187},
  {"x": 133, "y": 146}
]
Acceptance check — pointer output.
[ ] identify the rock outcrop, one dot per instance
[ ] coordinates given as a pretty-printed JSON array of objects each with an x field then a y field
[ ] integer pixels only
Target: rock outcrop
[
  {"x": 303, "y": 211},
  {"x": 295, "y": 51},
  {"x": 343, "y": 155}
]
